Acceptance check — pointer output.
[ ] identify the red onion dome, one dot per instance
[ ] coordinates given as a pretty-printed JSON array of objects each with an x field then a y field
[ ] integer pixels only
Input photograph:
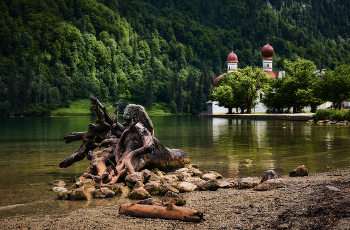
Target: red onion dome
[
  {"x": 217, "y": 79},
  {"x": 267, "y": 51},
  {"x": 232, "y": 57}
]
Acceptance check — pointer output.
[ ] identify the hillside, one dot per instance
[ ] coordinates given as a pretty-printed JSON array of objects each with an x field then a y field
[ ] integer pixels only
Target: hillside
[{"x": 54, "y": 52}]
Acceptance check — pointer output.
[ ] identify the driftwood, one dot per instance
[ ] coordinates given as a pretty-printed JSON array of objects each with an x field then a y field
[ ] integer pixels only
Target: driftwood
[
  {"x": 164, "y": 212},
  {"x": 128, "y": 147}
]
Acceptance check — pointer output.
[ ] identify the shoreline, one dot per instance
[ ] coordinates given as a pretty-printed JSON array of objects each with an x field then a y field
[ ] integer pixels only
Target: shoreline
[{"x": 305, "y": 203}]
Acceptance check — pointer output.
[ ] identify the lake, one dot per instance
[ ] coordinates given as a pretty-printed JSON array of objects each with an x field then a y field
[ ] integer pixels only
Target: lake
[{"x": 32, "y": 148}]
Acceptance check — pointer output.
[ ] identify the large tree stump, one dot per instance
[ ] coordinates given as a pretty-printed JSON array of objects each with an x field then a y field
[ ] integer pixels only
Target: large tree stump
[{"x": 128, "y": 147}]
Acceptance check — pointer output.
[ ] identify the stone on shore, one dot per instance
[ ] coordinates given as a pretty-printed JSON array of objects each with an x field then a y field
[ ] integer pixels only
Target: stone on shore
[
  {"x": 270, "y": 174},
  {"x": 186, "y": 187},
  {"x": 210, "y": 175},
  {"x": 226, "y": 184},
  {"x": 194, "y": 180},
  {"x": 247, "y": 182},
  {"x": 211, "y": 185},
  {"x": 173, "y": 198},
  {"x": 270, "y": 184},
  {"x": 184, "y": 175},
  {"x": 151, "y": 201},
  {"x": 153, "y": 188},
  {"x": 299, "y": 172},
  {"x": 169, "y": 179},
  {"x": 167, "y": 187},
  {"x": 133, "y": 178},
  {"x": 139, "y": 193}
]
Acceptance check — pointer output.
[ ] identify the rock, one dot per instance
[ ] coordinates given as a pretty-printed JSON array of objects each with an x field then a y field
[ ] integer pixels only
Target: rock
[
  {"x": 226, "y": 184},
  {"x": 153, "y": 187},
  {"x": 85, "y": 182},
  {"x": 59, "y": 189},
  {"x": 194, "y": 172},
  {"x": 116, "y": 188},
  {"x": 151, "y": 201},
  {"x": 332, "y": 188},
  {"x": 58, "y": 183},
  {"x": 270, "y": 174},
  {"x": 247, "y": 161},
  {"x": 133, "y": 178},
  {"x": 181, "y": 170},
  {"x": 107, "y": 193},
  {"x": 167, "y": 187},
  {"x": 211, "y": 185},
  {"x": 146, "y": 175},
  {"x": 247, "y": 182},
  {"x": 186, "y": 187},
  {"x": 299, "y": 172},
  {"x": 190, "y": 166},
  {"x": 64, "y": 195},
  {"x": 139, "y": 193},
  {"x": 169, "y": 179},
  {"x": 270, "y": 184},
  {"x": 138, "y": 185},
  {"x": 195, "y": 180},
  {"x": 158, "y": 172},
  {"x": 184, "y": 175},
  {"x": 80, "y": 194},
  {"x": 103, "y": 193},
  {"x": 210, "y": 175},
  {"x": 173, "y": 198}
]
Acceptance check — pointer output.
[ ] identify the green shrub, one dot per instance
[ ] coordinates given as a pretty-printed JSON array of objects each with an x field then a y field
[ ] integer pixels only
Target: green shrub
[
  {"x": 322, "y": 114},
  {"x": 338, "y": 115}
]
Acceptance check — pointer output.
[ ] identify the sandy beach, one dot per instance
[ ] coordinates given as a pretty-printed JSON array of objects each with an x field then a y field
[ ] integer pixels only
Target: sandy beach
[{"x": 319, "y": 201}]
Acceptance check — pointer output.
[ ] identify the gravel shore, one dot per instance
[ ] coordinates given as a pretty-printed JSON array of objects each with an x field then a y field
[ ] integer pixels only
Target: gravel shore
[{"x": 311, "y": 202}]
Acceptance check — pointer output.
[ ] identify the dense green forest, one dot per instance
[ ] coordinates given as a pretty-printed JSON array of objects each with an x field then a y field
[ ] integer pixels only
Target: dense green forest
[{"x": 57, "y": 51}]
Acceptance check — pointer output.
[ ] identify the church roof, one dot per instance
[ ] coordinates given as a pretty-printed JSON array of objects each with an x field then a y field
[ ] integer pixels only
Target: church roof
[
  {"x": 217, "y": 79},
  {"x": 267, "y": 51},
  {"x": 232, "y": 57},
  {"x": 273, "y": 74}
]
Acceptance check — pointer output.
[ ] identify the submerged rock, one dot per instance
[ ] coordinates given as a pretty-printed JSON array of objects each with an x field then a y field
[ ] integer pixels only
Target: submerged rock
[
  {"x": 59, "y": 189},
  {"x": 58, "y": 183},
  {"x": 153, "y": 188}
]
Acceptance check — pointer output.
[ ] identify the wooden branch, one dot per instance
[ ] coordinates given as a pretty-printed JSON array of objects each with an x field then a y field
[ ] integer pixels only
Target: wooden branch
[{"x": 171, "y": 212}]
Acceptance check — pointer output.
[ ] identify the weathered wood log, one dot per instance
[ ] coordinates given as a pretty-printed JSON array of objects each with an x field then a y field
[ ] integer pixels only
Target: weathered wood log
[
  {"x": 129, "y": 147},
  {"x": 171, "y": 212}
]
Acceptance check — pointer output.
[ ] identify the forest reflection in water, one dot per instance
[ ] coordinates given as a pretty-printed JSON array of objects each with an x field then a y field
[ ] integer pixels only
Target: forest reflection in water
[{"x": 32, "y": 148}]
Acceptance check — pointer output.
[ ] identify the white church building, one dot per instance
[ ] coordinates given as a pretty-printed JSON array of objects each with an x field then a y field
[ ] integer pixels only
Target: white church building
[{"x": 232, "y": 65}]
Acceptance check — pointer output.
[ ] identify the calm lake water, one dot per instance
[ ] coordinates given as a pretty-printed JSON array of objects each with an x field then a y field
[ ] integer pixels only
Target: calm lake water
[{"x": 32, "y": 148}]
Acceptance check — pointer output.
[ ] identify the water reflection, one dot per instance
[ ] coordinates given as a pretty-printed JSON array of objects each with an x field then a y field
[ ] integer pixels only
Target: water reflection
[{"x": 32, "y": 148}]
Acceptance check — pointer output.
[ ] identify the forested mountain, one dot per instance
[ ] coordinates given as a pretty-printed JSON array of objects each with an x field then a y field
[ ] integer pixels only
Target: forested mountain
[{"x": 56, "y": 51}]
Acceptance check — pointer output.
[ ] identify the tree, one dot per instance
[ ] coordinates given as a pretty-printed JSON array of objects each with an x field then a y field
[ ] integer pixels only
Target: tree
[
  {"x": 244, "y": 84},
  {"x": 334, "y": 86},
  {"x": 299, "y": 85}
]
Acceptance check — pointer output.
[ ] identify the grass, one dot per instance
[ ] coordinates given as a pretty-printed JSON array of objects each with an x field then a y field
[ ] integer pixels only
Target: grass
[{"x": 81, "y": 107}]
